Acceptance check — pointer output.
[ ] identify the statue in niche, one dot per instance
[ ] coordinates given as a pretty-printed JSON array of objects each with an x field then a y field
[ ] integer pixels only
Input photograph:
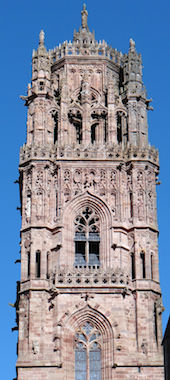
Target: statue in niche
[
  {"x": 140, "y": 178},
  {"x": 150, "y": 201},
  {"x": 150, "y": 180},
  {"x": 39, "y": 204},
  {"x": 85, "y": 86},
  {"x": 28, "y": 207},
  {"x": 140, "y": 205},
  {"x": 113, "y": 181},
  {"x": 113, "y": 177},
  {"x": 28, "y": 180},
  {"x": 129, "y": 182},
  {"x": 144, "y": 347},
  {"x": 67, "y": 176},
  {"x": 67, "y": 193},
  {"x": 77, "y": 180}
]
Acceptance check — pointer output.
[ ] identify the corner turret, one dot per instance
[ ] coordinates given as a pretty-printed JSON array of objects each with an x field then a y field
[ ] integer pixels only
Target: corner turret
[
  {"x": 135, "y": 97},
  {"x": 41, "y": 68}
]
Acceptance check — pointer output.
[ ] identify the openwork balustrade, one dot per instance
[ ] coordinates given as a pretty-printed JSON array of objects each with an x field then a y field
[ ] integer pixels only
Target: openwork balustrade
[{"x": 90, "y": 276}]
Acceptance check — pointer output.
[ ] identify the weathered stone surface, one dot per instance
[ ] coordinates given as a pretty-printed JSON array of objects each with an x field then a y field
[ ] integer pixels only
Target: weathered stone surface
[{"x": 89, "y": 251}]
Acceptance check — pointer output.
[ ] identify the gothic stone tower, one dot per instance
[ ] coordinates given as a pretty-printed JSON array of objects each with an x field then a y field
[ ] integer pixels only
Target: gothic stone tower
[{"x": 89, "y": 304}]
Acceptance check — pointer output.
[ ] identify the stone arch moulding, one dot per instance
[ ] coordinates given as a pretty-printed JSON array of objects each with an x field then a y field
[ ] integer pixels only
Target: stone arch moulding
[
  {"x": 102, "y": 324},
  {"x": 72, "y": 209}
]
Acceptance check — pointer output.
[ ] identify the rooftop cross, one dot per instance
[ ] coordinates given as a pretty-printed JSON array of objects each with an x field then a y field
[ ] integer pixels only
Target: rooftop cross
[{"x": 84, "y": 15}]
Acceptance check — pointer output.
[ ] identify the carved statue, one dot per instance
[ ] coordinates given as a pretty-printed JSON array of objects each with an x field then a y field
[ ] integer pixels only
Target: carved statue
[{"x": 84, "y": 15}]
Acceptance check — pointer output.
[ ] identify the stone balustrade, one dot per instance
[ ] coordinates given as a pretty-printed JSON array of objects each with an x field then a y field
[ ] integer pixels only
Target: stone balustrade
[{"x": 88, "y": 276}]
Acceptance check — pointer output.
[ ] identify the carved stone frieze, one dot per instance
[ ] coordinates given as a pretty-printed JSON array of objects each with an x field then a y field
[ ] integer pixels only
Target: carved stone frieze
[{"x": 98, "y": 181}]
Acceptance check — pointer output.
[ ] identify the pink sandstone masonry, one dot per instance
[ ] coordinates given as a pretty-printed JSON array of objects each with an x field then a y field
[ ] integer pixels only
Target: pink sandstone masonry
[{"x": 89, "y": 301}]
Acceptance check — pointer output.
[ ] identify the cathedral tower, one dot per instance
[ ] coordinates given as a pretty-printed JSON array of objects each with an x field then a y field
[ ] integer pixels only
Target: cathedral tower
[{"x": 89, "y": 302}]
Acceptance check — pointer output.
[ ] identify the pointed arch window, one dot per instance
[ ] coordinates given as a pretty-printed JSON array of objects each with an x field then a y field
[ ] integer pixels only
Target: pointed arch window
[
  {"x": 93, "y": 132},
  {"x": 122, "y": 127},
  {"x": 75, "y": 118},
  {"x": 87, "y": 239},
  {"x": 88, "y": 353}
]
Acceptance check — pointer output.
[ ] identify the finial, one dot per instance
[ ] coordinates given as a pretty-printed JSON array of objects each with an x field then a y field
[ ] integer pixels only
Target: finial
[
  {"x": 84, "y": 15},
  {"x": 41, "y": 38},
  {"x": 132, "y": 44}
]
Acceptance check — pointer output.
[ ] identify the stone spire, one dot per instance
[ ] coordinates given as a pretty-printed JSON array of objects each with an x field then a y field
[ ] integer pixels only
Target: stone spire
[{"x": 84, "y": 15}]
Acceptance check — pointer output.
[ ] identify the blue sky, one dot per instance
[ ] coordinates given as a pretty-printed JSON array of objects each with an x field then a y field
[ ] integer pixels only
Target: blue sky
[{"x": 147, "y": 22}]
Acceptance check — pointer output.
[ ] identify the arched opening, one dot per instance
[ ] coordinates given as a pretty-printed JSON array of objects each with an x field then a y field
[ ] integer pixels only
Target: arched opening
[
  {"x": 99, "y": 131},
  {"x": 151, "y": 266},
  {"x": 87, "y": 238},
  {"x": 88, "y": 341},
  {"x": 28, "y": 264},
  {"x": 103, "y": 236},
  {"x": 155, "y": 322},
  {"x": 133, "y": 265},
  {"x": 122, "y": 127},
  {"x": 38, "y": 264},
  {"x": 75, "y": 118},
  {"x": 142, "y": 256},
  {"x": 131, "y": 204},
  {"x": 88, "y": 353},
  {"x": 55, "y": 117},
  {"x": 47, "y": 266},
  {"x": 93, "y": 133}
]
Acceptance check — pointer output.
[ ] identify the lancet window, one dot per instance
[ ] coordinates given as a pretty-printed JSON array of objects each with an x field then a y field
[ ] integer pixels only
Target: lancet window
[
  {"x": 38, "y": 264},
  {"x": 122, "y": 127},
  {"x": 87, "y": 239},
  {"x": 88, "y": 353},
  {"x": 75, "y": 118},
  {"x": 93, "y": 132},
  {"x": 55, "y": 117},
  {"x": 99, "y": 127}
]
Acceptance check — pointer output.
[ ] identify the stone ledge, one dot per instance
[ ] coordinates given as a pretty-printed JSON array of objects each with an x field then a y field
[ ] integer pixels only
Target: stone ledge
[{"x": 33, "y": 363}]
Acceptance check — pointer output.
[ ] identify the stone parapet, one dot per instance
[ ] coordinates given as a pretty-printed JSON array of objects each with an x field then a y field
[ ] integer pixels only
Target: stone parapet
[
  {"x": 95, "y": 49},
  {"x": 92, "y": 152},
  {"x": 91, "y": 276}
]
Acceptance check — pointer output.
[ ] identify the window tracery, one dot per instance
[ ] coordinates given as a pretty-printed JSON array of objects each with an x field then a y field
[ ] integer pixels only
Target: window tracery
[
  {"x": 87, "y": 238},
  {"x": 88, "y": 353}
]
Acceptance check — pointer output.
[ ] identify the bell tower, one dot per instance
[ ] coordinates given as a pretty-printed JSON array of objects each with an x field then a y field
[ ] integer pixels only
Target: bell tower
[{"x": 89, "y": 303}]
